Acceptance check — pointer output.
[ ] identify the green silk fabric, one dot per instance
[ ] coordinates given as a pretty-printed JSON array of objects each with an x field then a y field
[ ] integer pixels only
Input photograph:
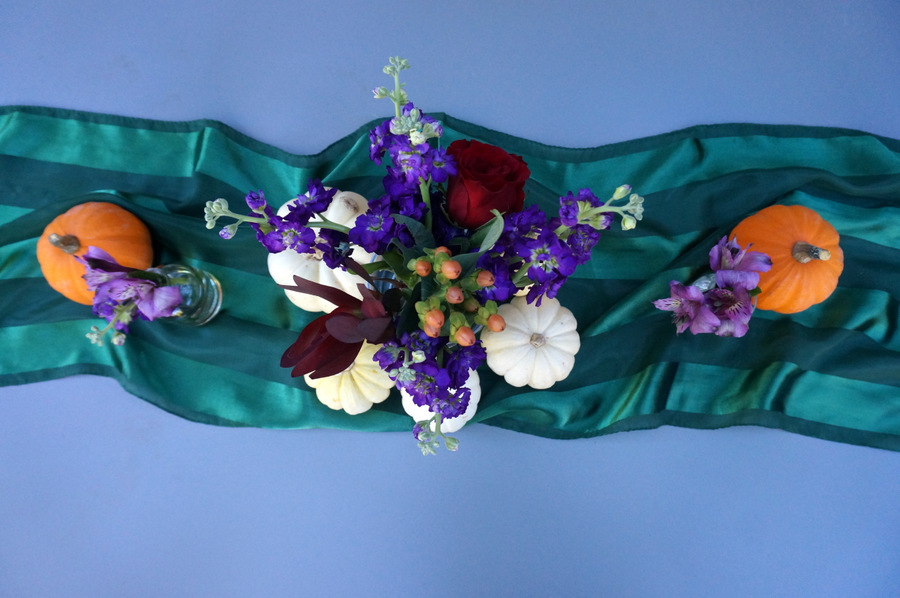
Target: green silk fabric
[{"x": 832, "y": 371}]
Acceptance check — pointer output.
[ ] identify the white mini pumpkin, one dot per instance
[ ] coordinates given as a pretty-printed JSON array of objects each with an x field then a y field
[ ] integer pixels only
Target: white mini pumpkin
[
  {"x": 537, "y": 347},
  {"x": 283, "y": 266},
  {"x": 448, "y": 426},
  {"x": 358, "y": 387}
]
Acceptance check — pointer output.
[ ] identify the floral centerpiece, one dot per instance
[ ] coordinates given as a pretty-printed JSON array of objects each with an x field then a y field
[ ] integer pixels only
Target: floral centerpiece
[{"x": 421, "y": 272}]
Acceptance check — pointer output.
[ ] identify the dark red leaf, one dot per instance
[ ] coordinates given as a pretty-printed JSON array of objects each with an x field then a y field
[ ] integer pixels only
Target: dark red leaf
[
  {"x": 343, "y": 327},
  {"x": 336, "y": 296},
  {"x": 339, "y": 360},
  {"x": 376, "y": 330}
]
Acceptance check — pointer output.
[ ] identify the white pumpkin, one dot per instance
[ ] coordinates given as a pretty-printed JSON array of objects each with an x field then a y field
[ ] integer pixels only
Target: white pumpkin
[
  {"x": 448, "y": 426},
  {"x": 358, "y": 387},
  {"x": 537, "y": 347},
  {"x": 283, "y": 266}
]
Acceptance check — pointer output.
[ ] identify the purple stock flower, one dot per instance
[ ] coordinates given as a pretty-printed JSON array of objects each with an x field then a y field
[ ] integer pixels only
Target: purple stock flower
[
  {"x": 462, "y": 360},
  {"x": 372, "y": 231},
  {"x": 581, "y": 240},
  {"x": 503, "y": 287},
  {"x": 441, "y": 164},
  {"x": 272, "y": 240},
  {"x": 380, "y": 138},
  {"x": 256, "y": 200},
  {"x": 570, "y": 210},
  {"x": 552, "y": 262}
]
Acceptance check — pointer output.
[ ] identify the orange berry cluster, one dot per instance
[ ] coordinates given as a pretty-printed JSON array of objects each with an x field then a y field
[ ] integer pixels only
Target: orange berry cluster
[{"x": 452, "y": 309}]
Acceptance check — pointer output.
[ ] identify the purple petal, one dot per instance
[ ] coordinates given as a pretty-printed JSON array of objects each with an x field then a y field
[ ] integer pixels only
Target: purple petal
[
  {"x": 704, "y": 321},
  {"x": 737, "y": 279},
  {"x": 159, "y": 302}
]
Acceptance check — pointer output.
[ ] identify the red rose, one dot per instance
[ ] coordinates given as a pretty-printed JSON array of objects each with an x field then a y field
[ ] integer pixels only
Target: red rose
[{"x": 488, "y": 179}]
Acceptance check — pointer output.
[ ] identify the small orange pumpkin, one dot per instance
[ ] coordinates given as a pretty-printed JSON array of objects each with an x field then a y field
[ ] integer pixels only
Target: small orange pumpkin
[
  {"x": 104, "y": 225},
  {"x": 806, "y": 258}
]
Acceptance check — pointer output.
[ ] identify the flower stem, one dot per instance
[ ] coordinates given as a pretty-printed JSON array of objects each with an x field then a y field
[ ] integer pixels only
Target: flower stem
[
  {"x": 424, "y": 189},
  {"x": 326, "y": 223}
]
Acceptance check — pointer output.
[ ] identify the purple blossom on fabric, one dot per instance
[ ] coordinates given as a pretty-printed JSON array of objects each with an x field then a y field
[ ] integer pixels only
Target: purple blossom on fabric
[
  {"x": 120, "y": 293},
  {"x": 689, "y": 308},
  {"x": 159, "y": 302},
  {"x": 736, "y": 267},
  {"x": 733, "y": 308},
  {"x": 724, "y": 308}
]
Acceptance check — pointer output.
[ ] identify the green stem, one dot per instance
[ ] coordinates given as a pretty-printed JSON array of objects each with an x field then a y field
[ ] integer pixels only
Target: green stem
[
  {"x": 396, "y": 94},
  {"x": 242, "y": 218},
  {"x": 522, "y": 273},
  {"x": 326, "y": 223},
  {"x": 424, "y": 189}
]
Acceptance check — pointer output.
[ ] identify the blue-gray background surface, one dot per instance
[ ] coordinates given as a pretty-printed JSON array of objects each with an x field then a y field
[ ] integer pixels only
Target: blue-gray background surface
[{"x": 104, "y": 495}]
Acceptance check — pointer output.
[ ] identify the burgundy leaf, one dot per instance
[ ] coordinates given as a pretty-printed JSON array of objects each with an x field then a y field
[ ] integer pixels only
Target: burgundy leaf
[
  {"x": 307, "y": 341},
  {"x": 343, "y": 327},
  {"x": 376, "y": 330},
  {"x": 339, "y": 360},
  {"x": 336, "y": 296}
]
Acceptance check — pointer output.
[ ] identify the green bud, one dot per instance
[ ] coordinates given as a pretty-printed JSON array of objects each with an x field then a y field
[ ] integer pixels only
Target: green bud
[
  {"x": 428, "y": 448},
  {"x": 451, "y": 443},
  {"x": 628, "y": 222},
  {"x": 380, "y": 92},
  {"x": 635, "y": 206},
  {"x": 417, "y": 137},
  {"x": 621, "y": 192}
]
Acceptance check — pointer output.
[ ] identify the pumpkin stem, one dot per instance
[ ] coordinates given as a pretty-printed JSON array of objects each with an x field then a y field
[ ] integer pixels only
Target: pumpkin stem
[
  {"x": 68, "y": 243},
  {"x": 804, "y": 252},
  {"x": 537, "y": 340}
]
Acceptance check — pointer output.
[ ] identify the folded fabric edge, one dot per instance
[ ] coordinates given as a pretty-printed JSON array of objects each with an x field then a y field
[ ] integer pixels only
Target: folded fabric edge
[
  {"x": 706, "y": 421},
  {"x": 511, "y": 142}
]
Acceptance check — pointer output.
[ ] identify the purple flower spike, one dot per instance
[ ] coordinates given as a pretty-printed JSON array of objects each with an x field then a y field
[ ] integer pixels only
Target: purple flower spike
[{"x": 256, "y": 200}]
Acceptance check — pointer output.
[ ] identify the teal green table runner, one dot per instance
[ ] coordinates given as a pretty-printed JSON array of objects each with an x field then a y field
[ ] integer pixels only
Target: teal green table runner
[{"x": 831, "y": 372}]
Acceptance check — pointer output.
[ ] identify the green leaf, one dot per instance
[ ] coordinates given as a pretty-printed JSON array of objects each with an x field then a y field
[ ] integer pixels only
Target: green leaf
[
  {"x": 421, "y": 235},
  {"x": 489, "y": 233}
]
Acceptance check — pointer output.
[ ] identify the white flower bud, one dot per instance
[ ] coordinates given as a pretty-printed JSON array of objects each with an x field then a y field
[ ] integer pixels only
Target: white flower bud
[{"x": 621, "y": 191}]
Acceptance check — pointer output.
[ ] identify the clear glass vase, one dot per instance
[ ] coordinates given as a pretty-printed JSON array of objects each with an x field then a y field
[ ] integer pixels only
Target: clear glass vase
[{"x": 200, "y": 291}]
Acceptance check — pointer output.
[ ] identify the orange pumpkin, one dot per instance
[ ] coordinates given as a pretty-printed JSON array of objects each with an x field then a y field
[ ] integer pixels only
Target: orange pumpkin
[
  {"x": 104, "y": 225},
  {"x": 806, "y": 258}
]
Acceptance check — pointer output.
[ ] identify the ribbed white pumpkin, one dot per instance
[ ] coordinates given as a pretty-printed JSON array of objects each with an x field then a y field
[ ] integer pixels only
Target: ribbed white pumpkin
[
  {"x": 448, "y": 426},
  {"x": 283, "y": 266},
  {"x": 537, "y": 347},
  {"x": 358, "y": 387}
]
